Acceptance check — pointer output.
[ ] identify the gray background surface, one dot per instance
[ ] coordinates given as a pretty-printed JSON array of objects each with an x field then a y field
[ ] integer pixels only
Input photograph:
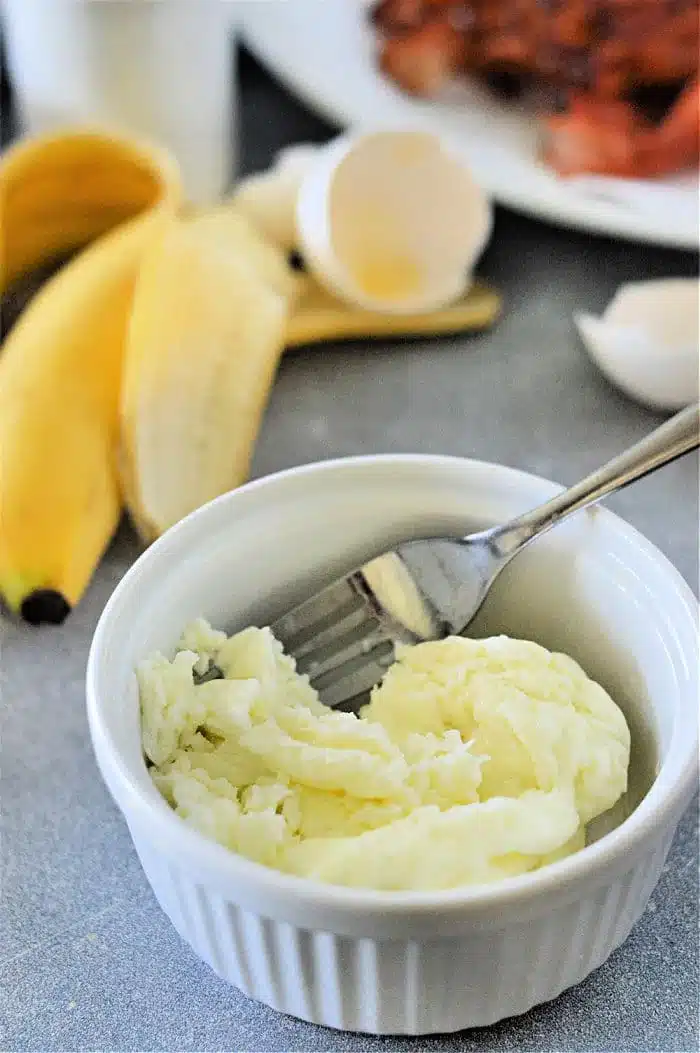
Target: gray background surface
[{"x": 87, "y": 959}]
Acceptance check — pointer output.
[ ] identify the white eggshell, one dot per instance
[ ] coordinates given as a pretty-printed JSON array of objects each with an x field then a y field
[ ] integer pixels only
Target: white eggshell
[
  {"x": 297, "y": 158},
  {"x": 392, "y": 221},
  {"x": 647, "y": 343}
]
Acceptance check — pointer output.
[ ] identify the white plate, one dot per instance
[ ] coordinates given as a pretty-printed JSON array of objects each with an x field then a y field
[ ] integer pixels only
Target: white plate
[{"x": 323, "y": 51}]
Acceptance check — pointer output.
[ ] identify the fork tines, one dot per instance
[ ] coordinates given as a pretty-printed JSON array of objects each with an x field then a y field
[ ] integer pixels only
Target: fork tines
[{"x": 337, "y": 641}]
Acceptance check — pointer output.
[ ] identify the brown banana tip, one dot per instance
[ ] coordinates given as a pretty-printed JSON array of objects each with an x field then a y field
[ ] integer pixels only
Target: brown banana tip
[
  {"x": 296, "y": 261},
  {"x": 45, "y": 607}
]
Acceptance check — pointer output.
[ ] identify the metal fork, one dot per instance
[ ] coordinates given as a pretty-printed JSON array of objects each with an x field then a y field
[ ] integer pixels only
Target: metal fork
[{"x": 343, "y": 638}]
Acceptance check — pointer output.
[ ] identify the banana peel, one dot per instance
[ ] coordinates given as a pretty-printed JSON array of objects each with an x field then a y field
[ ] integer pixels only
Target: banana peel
[
  {"x": 59, "y": 192},
  {"x": 61, "y": 365},
  {"x": 321, "y": 318}
]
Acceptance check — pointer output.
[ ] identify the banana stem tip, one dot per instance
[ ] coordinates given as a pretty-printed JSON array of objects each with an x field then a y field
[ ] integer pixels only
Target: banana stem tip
[{"x": 44, "y": 607}]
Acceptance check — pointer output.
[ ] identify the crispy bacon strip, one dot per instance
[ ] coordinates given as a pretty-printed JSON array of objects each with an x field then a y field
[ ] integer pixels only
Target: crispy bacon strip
[
  {"x": 611, "y": 138},
  {"x": 597, "y": 52}
]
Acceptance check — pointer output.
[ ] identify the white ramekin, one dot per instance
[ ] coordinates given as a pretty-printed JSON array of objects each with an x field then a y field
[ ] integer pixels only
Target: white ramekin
[{"x": 411, "y": 962}]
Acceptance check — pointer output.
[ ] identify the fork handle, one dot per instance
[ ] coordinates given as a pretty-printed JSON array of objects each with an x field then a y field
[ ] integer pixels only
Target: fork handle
[{"x": 677, "y": 436}]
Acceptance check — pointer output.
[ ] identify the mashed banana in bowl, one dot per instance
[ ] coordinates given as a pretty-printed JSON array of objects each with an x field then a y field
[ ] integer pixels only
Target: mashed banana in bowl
[{"x": 474, "y": 760}]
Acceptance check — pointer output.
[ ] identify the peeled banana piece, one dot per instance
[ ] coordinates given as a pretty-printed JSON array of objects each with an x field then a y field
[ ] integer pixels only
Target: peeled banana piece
[
  {"x": 207, "y": 329},
  {"x": 268, "y": 199},
  {"x": 214, "y": 308}
]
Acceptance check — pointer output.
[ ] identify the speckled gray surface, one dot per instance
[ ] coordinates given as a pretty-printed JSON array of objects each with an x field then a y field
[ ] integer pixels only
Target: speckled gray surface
[{"x": 88, "y": 961}]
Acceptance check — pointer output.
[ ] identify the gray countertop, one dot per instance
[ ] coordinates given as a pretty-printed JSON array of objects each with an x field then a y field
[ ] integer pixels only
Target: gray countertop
[{"x": 88, "y": 961}]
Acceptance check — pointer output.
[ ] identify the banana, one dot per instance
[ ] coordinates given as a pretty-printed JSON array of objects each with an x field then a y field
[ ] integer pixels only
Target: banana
[
  {"x": 207, "y": 330},
  {"x": 148, "y": 359},
  {"x": 60, "y": 366},
  {"x": 319, "y": 317},
  {"x": 214, "y": 308},
  {"x": 58, "y": 192},
  {"x": 268, "y": 199}
]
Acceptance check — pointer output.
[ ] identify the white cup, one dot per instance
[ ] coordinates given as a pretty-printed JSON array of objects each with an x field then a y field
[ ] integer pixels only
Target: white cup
[{"x": 164, "y": 69}]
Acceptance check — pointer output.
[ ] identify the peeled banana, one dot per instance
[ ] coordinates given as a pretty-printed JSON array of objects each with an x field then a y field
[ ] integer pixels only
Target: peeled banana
[
  {"x": 140, "y": 372},
  {"x": 60, "y": 370},
  {"x": 207, "y": 330},
  {"x": 268, "y": 199}
]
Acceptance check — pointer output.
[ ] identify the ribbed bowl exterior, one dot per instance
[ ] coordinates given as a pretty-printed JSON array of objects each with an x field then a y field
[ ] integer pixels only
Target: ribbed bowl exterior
[
  {"x": 423, "y": 962},
  {"x": 404, "y": 987}
]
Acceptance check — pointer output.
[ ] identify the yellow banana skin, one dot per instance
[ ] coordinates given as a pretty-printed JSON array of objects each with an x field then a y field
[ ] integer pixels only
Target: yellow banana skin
[
  {"x": 319, "y": 317},
  {"x": 60, "y": 373},
  {"x": 61, "y": 364},
  {"x": 59, "y": 192}
]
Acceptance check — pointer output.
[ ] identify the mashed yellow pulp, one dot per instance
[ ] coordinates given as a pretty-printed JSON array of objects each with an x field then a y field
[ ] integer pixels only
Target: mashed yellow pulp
[{"x": 475, "y": 760}]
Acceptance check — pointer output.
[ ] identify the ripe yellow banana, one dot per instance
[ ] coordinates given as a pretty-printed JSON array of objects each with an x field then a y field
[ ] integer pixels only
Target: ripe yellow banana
[
  {"x": 60, "y": 374},
  {"x": 207, "y": 331},
  {"x": 214, "y": 307},
  {"x": 59, "y": 192}
]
